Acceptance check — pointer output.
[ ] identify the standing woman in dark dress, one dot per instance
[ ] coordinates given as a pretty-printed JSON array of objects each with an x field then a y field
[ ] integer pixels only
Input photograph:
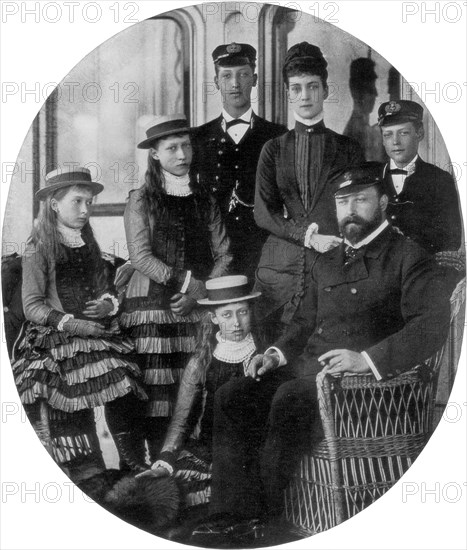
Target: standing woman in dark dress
[
  {"x": 70, "y": 355},
  {"x": 176, "y": 240}
]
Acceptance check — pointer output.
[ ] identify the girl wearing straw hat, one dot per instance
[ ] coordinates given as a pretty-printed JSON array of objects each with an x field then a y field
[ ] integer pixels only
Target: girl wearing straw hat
[
  {"x": 224, "y": 348},
  {"x": 69, "y": 355},
  {"x": 176, "y": 240}
]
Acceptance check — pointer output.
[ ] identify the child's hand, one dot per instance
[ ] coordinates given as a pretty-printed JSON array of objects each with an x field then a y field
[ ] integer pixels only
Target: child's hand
[
  {"x": 182, "y": 304},
  {"x": 97, "y": 309},
  {"x": 80, "y": 327}
]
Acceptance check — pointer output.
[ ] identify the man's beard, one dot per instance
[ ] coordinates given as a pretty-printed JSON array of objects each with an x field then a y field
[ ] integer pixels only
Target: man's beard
[{"x": 355, "y": 228}]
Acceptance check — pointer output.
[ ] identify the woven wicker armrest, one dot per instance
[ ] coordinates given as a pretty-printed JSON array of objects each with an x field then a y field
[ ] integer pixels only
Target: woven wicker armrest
[{"x": 362, "y": 407}]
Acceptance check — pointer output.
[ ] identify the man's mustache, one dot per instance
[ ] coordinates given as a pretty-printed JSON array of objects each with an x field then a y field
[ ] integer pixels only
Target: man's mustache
[{"x": 352, "y": 219}]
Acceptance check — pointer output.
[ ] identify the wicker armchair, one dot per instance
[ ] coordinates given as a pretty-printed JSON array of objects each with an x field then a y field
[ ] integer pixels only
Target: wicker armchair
[{"x": 373, "y": 433}]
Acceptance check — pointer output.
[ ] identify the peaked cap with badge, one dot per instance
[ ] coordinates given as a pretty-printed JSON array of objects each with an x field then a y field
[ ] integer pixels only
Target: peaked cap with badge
[
  {"x": 397, "y": 112},
  {"x": 234, "y": 54}
]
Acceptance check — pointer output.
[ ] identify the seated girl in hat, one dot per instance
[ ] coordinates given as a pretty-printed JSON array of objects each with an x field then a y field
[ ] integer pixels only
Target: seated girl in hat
[
  {"x": 225, "y": 346},
  {"x": 70, "y": 355},
  {"x": 176, "y": 240}
]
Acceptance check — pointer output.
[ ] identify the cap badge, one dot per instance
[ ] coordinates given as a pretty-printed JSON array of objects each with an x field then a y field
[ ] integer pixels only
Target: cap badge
[
  {"x": 392, "y": 107},
  {"x": 234, "y": 48}
]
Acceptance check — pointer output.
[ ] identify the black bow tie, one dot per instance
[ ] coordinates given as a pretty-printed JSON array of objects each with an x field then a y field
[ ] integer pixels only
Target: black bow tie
[
  {"x": 398, "y": 171},
  {"x": 350, "y": 252},
  {"x": 234, "y": 122}
]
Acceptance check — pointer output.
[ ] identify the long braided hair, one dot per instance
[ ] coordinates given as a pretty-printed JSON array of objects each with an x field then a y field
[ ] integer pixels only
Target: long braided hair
[{"x": 155, "y": 197}]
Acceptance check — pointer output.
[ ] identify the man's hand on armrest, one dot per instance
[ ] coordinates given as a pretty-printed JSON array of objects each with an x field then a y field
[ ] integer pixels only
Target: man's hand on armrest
[{"x": 340, "y": 361}]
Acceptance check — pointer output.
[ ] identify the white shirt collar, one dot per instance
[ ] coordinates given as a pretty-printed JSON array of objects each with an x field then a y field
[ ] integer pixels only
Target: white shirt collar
[
  {"x": 370, "y": 237},
  {"x": 246, "y": 116},
  {"x": 70, "y": 237},
  {"x": 309, "y": 121},
  {"x": 410, "y": 167}
]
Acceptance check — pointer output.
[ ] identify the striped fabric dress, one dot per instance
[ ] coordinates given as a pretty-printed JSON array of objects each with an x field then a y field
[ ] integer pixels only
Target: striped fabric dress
[{"x": 73, "y": 373}]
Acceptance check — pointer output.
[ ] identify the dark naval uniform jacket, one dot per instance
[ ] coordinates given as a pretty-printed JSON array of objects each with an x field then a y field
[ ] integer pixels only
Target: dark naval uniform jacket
[
  {"x": 229, "y": 169},
  {"x": 389, "y": 301},
  {"x": 427, "y": 209},
  {"x": 279, "y": 210}
]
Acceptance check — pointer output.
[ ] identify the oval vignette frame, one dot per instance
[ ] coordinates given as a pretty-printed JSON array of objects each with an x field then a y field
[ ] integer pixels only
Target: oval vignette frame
[{"x": 329, "y": 533}]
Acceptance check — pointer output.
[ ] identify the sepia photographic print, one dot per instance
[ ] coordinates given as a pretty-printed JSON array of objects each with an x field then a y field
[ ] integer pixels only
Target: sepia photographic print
[{"x": 233, "y": 274}]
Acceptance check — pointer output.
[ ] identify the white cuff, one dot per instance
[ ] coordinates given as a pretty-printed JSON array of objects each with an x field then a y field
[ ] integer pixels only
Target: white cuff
[
  {"x": 114, "y": 301},
  {"x": 312, "y": 229},
  {"x": 162, "y": 464},
  {"x": 372, "y": 366},
  {"x": 186, "y": 283},
  {"x": 282, "y": 359},
  {"x": 63, "y": 320}
]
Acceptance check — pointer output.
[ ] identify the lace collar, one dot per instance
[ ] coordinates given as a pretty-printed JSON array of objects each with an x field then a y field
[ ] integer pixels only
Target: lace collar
[
  {"x": 234, "y": 352},
  {"x": 70, "y": 237},
  {"x": 177, "y": 186}
]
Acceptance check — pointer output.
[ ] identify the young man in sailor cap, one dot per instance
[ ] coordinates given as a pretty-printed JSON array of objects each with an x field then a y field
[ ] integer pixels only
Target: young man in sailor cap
[
  {"x": 423, "y": 199},
  {"x": 228, "y": 149}
]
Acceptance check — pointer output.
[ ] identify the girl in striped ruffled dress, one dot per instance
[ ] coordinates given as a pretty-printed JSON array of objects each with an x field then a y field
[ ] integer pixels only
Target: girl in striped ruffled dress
[
  {"x": 176, "y": 240},
  {"x": 70, "y": 355}
]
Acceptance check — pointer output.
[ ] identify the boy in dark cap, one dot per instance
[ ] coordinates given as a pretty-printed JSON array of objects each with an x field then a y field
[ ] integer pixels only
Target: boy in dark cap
[
  {"x": 228, "y": 150},
  {"x": 423, "y": 199},
  {"x": 293, "y": 199}
]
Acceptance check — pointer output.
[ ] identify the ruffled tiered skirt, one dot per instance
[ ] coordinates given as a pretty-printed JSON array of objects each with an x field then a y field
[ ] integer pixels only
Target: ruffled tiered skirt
[
  {"x": 165, "y": 342},
  {"x": 72, "y": 373}
]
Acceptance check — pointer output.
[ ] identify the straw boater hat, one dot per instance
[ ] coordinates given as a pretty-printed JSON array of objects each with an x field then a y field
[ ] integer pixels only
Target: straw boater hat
[
  {"x": 57, "y": 179},
  {"x": 226, "y": 290},
  {"x": 163, "y": 126}
]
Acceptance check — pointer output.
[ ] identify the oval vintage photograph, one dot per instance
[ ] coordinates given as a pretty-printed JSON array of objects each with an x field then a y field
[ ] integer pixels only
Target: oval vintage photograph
[{"x": 233, "y": 274}]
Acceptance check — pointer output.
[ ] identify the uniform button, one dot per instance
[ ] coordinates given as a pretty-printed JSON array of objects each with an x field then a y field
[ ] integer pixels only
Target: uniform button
[
  {"x": 220, "y": 152},
  {"x": 393, "y": 217},
  {"x": 320, "y": 330},
  {"x": 86, "y": 288},
  {"x": 218, "y": 165},
  {"x": 353, "y": 290},
  {"x": 223, "y": 140},
  {"x": 236, "y": 167},
  {"x": 237, "y": 218},
  {"x": 396, "y": 200},
  {"x": 327, "y": 289},
  {"x": 214, "y": 189},
  {"x": 217, "y": 178},
  {"x": 237, "y": 149}
]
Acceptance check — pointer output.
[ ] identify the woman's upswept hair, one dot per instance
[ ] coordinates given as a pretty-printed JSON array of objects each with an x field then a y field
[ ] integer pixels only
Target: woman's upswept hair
[
  {"x": 45, "y": 234},
  {"x": 155, "y": 196}
]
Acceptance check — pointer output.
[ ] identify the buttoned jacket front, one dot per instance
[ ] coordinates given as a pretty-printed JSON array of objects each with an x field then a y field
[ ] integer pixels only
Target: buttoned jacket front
[
  {"x": 389, "y": 301},
  {"x": 228, "y": 167},
  {"x": 279, "y": 210},
  {"x": 427, "y": 210}
]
